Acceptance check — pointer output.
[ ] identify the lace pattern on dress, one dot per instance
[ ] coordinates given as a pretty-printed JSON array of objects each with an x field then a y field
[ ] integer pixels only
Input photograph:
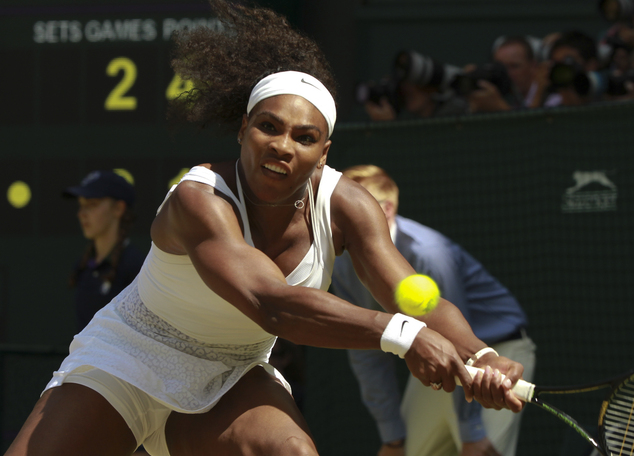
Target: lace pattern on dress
[
  {"x": 135, "y": 314},
  {"x": 140, "y": 318}
]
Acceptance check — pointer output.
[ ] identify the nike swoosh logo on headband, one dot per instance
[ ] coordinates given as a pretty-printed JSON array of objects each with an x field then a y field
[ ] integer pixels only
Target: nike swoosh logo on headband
[{"x": 310, "y": 84}]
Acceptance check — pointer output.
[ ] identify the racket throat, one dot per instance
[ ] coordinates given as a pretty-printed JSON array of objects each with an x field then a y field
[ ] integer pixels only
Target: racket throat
[{"x": 570, "y": 422}]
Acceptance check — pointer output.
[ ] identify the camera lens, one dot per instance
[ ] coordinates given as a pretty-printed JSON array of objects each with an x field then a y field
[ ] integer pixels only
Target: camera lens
[
  {"x": 423, "y": 70},
  {"x": 413, "y": 67},
  {"x": 563, "y": 74}
]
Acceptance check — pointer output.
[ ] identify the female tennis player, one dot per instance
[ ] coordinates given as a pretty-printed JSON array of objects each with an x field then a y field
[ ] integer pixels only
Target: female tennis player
[{"x": 242, "y": 252}]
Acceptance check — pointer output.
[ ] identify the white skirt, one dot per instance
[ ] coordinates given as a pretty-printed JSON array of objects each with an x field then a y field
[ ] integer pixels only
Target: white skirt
[{"x": 128, "y": 341}]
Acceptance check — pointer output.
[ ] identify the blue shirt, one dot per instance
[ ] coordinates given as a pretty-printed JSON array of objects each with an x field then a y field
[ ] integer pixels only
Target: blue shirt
[{"x": 488, "y": 306}]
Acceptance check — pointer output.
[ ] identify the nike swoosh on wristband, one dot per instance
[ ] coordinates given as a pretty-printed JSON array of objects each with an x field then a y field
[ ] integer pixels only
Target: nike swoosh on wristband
[{"x": 403, "y": 326}]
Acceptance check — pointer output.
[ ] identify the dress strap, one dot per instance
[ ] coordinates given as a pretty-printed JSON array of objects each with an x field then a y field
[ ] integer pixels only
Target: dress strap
[{"x": 243, "y": 209}]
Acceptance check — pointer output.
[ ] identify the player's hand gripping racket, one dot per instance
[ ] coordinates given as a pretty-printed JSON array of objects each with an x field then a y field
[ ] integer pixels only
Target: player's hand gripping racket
[{"x": 616, "y": 425}]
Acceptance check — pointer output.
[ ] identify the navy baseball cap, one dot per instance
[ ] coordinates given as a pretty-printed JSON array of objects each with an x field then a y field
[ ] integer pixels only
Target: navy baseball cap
[{"x": 103, "y": 184}]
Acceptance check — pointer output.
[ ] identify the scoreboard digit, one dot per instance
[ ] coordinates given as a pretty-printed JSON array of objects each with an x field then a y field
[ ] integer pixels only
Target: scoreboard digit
[{"x": 118, "y": 99}]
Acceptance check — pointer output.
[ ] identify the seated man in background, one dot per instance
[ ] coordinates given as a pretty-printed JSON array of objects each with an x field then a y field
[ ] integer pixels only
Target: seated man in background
[
  {"x": 435, "y": 423},
  {"x": 518, "y": 56}
]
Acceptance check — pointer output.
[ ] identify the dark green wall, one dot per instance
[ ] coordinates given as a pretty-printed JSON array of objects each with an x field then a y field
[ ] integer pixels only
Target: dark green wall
[{"x": 497, "y": 184}]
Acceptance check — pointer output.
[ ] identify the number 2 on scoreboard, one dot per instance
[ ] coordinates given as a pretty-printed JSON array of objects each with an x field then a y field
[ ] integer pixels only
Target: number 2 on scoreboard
[{"x": 118, "y": 100}]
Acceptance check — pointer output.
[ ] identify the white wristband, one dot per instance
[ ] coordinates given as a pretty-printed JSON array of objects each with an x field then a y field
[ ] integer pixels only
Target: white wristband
[
  {"x": 399, "y": 334},
  {"x": 480, "y": 354}
]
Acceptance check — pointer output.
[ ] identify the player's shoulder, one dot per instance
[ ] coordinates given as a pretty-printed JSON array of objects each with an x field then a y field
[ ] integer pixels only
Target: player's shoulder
[
  {"x": 349, "y": 192},
  {"x": 351, "y": 201},
  {"x": 193, "y": 199}
]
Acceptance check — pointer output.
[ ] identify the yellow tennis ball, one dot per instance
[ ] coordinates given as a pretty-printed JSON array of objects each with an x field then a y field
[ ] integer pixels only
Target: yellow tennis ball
[{"x": 417, "y": 295}]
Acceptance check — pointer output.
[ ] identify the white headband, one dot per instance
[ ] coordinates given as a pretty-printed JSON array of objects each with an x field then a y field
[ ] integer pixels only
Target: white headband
[{"x": 296, "y": 83}]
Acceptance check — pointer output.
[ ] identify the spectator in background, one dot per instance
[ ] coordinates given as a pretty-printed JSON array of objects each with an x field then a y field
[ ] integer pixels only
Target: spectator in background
[
  {"x": 616, "y": 44},
  {"x": 519, "y": 57},
  {"x": 429, "y": 425},
  {"x": 490, "y": 90},
  {"x": 109, "y": 262},
  {"x": 616, "y": 51},
  {"x": 570, "y": 76}
]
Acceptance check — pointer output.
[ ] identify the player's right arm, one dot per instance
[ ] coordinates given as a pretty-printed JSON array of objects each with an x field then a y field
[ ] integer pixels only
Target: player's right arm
[{"x": 197, "y": 222}]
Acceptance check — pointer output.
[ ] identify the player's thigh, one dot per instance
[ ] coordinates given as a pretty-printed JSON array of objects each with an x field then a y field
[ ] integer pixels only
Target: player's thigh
[
  {"x": 73, "y": 419},
  {"x": 257, "y": 416}
]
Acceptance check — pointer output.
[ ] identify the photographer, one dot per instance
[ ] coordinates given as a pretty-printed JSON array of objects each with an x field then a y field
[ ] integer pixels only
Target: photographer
[
  {"x": 488, "y": 88},
  {"x": 616, "y": 48},
  {"x": 520, "y": 58},
  {"x": 509, "y": 81},
  {"x": 417, "y": 88},
  {"x": 570, "y": 76}
]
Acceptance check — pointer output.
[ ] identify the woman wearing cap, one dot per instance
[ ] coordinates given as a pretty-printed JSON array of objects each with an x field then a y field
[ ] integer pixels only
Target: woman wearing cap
[
  {"x": 110, "y": 262},
  {"x": 243, "y": 252}
]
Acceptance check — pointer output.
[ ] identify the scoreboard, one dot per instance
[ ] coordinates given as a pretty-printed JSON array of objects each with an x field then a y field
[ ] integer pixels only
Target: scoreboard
[
  {"x": 89, "y": 65},
  {"x": 85, "y": 87}
]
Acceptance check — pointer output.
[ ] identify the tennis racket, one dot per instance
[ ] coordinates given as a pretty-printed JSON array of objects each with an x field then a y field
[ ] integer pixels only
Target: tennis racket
[{"x": 616, "y": 417}]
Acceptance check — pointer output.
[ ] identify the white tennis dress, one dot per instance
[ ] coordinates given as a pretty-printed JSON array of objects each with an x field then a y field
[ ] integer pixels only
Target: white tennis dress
[{"x": 172, "y": 337}]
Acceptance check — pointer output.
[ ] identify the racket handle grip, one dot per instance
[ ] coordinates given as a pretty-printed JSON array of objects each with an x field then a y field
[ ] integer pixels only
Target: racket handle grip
[{"x": 522, "y": 389}]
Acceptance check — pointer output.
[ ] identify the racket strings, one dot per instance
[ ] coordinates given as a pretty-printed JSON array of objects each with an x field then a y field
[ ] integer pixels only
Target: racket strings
[{"x": 617, "y": 421}]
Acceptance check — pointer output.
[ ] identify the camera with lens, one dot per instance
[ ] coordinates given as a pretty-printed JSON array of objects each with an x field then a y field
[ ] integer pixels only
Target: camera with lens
[
  {"x": 617, "y": 10},
  {"x": 494, "y": 72},
  {"x": 408, "y": 66},
  {"x": 424, "y": 71},
  {"x": 373, "y": 92},
  {"x": 570, "y": 74}
]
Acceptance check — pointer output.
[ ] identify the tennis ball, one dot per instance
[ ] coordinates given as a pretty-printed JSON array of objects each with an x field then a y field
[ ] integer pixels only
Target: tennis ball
[
  {"x": 19, "y": 194},
  {"x": 417, "y": 295}
]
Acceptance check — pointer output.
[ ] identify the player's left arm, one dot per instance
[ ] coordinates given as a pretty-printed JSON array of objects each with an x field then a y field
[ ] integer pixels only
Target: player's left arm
[
  {"x": 361, "y": 227},
  {"x": 380, "y": 266}
]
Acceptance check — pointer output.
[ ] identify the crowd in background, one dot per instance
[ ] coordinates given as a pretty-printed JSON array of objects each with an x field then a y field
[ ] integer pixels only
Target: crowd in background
[{"x": 565, "y": 68}]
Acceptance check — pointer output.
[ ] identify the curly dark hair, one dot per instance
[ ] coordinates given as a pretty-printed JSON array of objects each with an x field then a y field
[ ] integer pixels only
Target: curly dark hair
[{"x": 226, "y": 64}]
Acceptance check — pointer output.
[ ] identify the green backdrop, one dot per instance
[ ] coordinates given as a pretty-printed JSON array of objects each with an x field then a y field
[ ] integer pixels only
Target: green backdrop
[{"x": 544, "y": 199}]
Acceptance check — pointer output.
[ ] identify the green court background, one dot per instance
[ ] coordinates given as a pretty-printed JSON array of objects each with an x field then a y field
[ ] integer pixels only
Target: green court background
[{"x": 497, "y": 184}]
